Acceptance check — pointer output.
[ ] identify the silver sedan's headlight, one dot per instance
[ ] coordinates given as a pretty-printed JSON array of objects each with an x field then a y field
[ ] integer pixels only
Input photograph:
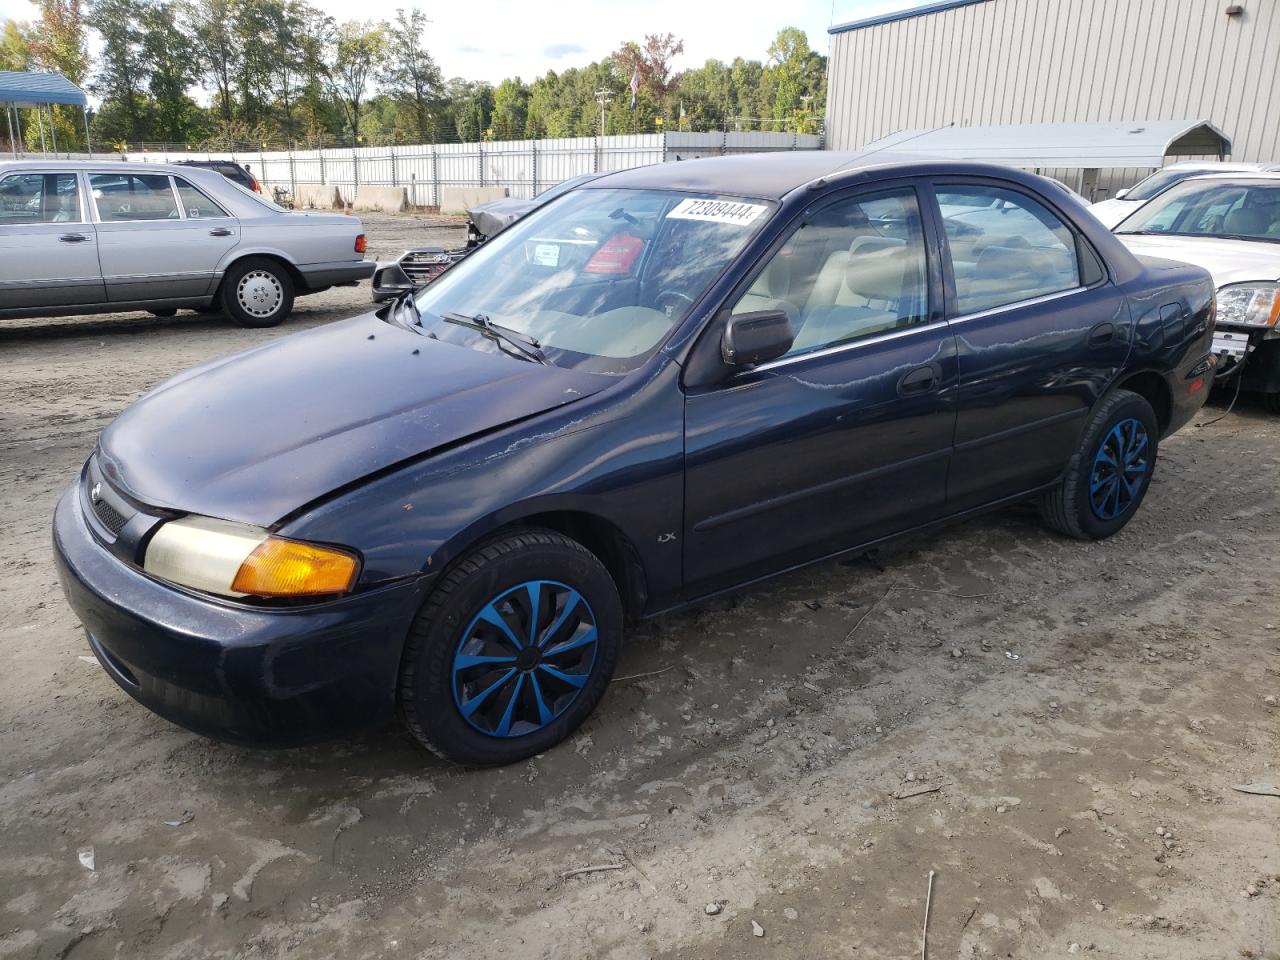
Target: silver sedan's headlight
[
  {"x": 239, "y": 560},
  {"x": 1249, "y": 304}
]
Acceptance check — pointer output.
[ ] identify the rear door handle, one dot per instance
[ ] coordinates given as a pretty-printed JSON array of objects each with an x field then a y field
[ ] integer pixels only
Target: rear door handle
[
  {"x": 919, "y": 381},
  {"x": 1102, "y": 334},
  {"x": 220, "y": 232},
  {"x": 73, "y": 238}
]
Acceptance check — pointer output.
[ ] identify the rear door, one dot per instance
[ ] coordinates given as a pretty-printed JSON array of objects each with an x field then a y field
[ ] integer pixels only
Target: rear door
[
  {"x": 159, "y": 238},
  {"x": 1041, "y": 332},
  {"x": 48, "y": 247}
]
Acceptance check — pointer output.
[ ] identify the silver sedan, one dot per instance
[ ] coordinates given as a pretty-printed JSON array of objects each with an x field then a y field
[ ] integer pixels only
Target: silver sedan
[{"x": 91, "y": 237}]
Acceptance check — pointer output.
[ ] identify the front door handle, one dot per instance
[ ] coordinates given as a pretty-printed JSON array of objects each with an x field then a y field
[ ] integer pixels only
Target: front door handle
[
  {"x": 73, "y": 238},
  {"x": 1102, "y": 334},
  {"x": 220, "y": 232},
  {"x": 919, "y": 381}
]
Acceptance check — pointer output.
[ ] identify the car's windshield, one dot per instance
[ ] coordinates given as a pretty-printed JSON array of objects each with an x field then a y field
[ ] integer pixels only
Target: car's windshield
[
  {"x": 597, "y": 278},
  {"x": 1239, "y": 209},
  {"x": 1160, "y": 180}
]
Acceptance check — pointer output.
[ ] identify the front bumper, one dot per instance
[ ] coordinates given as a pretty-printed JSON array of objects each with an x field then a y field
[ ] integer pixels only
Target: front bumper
[
  {"x": 317, "y": 275},
  {"x": 256, "y": 676}
]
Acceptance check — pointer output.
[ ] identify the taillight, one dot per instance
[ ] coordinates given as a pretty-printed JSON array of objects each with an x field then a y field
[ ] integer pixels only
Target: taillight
[
  {"x": 361, "y": 244},
  {"x": 254, "y": 180}
]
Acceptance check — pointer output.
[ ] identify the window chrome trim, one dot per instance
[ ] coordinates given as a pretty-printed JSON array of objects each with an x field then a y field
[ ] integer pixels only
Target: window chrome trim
[
  {"x": 851, "y": 345},
  {"x": 1018, "y": 304}
]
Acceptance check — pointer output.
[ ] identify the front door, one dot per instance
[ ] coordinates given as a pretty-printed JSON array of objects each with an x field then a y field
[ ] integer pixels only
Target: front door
[
  {"x": 150, "y": 244},
  {"x": 1040, "y": 334},
  {"x": 845, "y": 439},
  {"x": 48, "y": 249}
]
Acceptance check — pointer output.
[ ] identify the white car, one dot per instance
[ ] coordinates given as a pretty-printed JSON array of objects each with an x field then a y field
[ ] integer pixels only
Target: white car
[
  {"x": 1125, "y": 202},
  {"x": 1230, "y": 225}
]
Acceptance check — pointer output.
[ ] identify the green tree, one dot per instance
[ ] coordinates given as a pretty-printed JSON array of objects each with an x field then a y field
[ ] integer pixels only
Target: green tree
[
  {"x": 123, "y": 70},
  {"x": 15, "y": 50},
  {"x": 211, "y": 25},
  {"x": 358, "y": 49},
  {"x": 171, "y": 55},
  {"x": 797, "y": 76},
  {"x": 56, "y": 42},
  {"x": 510, "y": 109},
  {"x": 411, "y": 76}
]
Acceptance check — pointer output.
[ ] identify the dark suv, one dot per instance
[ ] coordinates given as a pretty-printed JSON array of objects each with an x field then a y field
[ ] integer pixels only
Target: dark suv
[{"x": 232, "y": 171}]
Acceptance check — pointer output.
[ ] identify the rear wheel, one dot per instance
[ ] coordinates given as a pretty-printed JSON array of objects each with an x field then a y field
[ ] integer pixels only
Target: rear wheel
[
  {"x": 257, "y": 292},
  {"x": 1110, "y": 471},
  {"x": 512, "y": 652}
]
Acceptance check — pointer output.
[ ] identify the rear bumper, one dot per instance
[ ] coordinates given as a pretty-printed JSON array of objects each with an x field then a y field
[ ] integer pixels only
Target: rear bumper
[
  {"x": 331, "y": 274},
  {"x": 260, "y": 677}
]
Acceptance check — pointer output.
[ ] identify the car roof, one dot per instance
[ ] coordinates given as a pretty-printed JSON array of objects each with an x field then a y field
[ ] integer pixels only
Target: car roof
[
  {"x": 771, "y": 176},
  {"x": 104, "y": 166},
  {"x": 1238, "y": 176}
]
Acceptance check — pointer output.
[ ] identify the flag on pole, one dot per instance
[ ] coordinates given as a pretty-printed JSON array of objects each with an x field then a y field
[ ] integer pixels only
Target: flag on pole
[{"x": 635, "y": 84}]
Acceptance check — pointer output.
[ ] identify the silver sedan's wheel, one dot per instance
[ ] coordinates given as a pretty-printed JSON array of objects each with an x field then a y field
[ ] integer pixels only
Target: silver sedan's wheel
[{"x": 257, "y": 292}]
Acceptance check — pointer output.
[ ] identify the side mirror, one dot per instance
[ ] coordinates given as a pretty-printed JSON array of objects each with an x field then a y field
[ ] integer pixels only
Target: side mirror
[
  {"x": 757, "y": 337},
  {"x": 390, "y": 281},
  {"x": 1121, "y": 194}
]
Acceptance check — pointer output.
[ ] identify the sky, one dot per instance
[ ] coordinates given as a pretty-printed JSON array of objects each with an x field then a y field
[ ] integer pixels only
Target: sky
[{"x": 494, "y": 39}]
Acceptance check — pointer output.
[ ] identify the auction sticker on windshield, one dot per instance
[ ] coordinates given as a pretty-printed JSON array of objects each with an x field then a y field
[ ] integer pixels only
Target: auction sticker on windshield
[{"x": 717, "y": 211}]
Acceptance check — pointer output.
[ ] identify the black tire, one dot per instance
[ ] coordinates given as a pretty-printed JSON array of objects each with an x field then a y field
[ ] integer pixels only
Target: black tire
[
  {"x": 1069, "y": 508},
  {"x": 165, "y": 312},
  {"x": 429, "y": 690},
  {"x": 1272, "y": 402},
  {"x": 257, "y": 292}
]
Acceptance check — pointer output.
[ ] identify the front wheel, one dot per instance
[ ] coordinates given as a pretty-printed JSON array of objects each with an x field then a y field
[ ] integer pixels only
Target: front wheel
[
  {"x": 1110, "y": 471},
  {"x": 257, "y": 292},
  {"x": 512, "y": 652}
]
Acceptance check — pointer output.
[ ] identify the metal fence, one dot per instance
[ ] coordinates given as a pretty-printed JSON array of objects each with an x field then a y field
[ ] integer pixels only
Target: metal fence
[{"x": 523, "y": 167}]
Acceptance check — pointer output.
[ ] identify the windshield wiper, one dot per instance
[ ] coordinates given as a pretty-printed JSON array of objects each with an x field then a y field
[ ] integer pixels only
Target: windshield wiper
[{"x": 525, "y": 345}]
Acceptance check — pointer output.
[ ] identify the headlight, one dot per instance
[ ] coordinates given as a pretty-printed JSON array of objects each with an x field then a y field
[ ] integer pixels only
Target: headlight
[
  {"x": 1249, "y": 304},
  {"x": 239, "y": 560}
]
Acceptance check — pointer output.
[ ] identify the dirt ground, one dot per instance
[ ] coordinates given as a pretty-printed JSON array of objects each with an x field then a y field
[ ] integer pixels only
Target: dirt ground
[{"x": 1079, "y": 713}]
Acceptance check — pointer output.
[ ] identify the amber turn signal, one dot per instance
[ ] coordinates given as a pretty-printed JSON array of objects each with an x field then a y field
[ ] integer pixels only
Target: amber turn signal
[{"x": 288, "y": 568}]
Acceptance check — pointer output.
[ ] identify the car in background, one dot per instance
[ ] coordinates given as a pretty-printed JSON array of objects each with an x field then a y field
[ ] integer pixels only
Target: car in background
[
  {"x": 672, "y": 382},
  {"x": 234, "y": 172},
  {"x": 485, "y": 220},
  {"x": 1229, "y": 224},
  {"x": 1125, "y": 202},
  {"x": 104, "y": 236}
]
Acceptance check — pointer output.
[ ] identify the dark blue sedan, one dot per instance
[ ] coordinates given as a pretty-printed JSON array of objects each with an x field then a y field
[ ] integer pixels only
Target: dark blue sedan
[{"x": 666, "y": 384}]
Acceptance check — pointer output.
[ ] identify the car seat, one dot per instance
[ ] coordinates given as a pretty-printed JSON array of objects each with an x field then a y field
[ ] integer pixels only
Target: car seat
[{"x": 874, "y": 286}]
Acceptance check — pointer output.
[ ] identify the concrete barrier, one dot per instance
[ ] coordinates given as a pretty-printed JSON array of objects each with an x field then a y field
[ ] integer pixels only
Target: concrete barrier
[
  {"x": 458, "y": 199},
  {"x": 381, "y": 199},
  {"x": 315, "y": 196}
]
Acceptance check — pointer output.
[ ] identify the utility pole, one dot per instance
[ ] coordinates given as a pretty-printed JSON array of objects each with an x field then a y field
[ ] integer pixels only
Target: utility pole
[{"x": 602, "y": 97}]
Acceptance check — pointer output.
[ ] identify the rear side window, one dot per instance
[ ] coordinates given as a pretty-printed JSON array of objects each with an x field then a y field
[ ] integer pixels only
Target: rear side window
[
  {"x": 39, "y": 198},
  {"x": 1005, "y": 247},
  {"x": 195, "y": 204},
  {"x": 133, "y": 196}
]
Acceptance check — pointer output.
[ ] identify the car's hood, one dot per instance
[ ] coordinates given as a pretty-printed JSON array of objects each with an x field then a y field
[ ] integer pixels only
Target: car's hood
[
  {"x": 1111, "y": 212},
  {"x": 254, "y": 436},
  {"x": 1230, "y": 261},
  {"x": 496, "y": 215}
]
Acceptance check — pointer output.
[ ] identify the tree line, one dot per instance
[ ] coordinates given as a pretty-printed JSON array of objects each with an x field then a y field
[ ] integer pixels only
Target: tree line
[{"x": 221, "y": 74}]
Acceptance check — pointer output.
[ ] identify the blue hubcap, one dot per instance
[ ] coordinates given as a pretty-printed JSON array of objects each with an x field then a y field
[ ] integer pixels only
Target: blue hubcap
[
  {"x": 524, "y": 658},
  {"x": 1119, "y": 467}
]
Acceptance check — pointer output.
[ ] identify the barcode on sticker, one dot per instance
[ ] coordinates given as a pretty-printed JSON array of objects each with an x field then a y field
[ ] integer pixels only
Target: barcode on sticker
[{"x": 717, "y": 211}]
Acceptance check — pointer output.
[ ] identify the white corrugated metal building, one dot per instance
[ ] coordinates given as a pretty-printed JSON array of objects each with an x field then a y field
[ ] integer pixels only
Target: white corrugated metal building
[{"x": 972, "y": 63}]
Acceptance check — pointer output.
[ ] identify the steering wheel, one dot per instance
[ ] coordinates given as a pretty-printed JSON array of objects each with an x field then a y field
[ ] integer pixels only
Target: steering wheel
[{"x": 672, "y": 295}]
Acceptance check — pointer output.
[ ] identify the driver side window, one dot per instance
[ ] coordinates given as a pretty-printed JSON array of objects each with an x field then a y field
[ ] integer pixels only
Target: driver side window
[
  {"x": 855, "y": 270},
  {"x": 133, "y": 196}
]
